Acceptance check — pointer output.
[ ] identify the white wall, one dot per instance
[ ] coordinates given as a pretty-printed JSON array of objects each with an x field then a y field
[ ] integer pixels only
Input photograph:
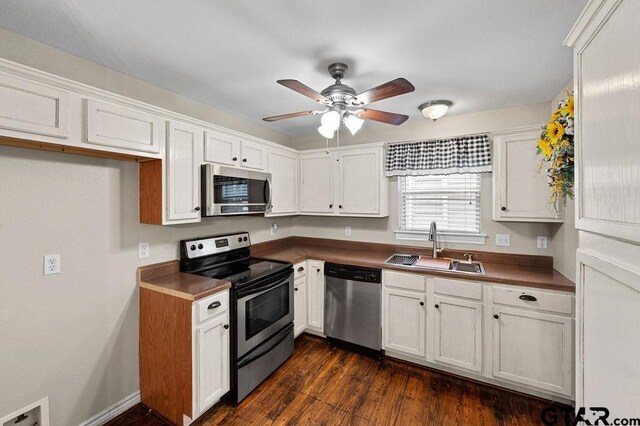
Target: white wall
[
  {"x": 523, "y": 235},
  {"x": 565, "y": 235},
  {"x": 74, "y": 336}
]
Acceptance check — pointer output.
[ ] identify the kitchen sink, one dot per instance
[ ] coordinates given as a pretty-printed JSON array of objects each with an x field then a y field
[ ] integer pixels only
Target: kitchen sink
[{"x": 443, "y": 264}]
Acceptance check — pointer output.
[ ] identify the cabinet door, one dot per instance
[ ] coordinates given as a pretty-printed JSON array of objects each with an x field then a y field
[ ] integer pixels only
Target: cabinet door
[
  {"x": 521, "y": 192},
  {"x": 316, "y": 183},
  {"x": 359, "y": 182},
  {"x": 184, "y": 144},
  {"x": 222, "y": 149},
  {"x": 254, "y": 155},
  {"x": 116, "y": 126},
  {"x": 315, "y": 305},
  {"x": 30, "y": 107},
  {"x": 458, "y": 333},
  {"x": 533, "y": 349},
  {"x": 404, "y": 322},
  {"x": 300, "y": 305},
  {"x": 212, "y": 362},
  {"x": 283, "y": 166}
]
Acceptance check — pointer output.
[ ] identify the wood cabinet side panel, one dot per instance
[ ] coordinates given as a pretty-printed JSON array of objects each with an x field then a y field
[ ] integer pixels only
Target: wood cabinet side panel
[
  {"x": 165, "y": 354},
  {"x": 150, "y": 182}
]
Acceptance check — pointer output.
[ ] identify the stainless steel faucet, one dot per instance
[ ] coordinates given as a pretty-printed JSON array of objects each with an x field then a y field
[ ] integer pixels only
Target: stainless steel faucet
[{"x": 433, "y": 236}]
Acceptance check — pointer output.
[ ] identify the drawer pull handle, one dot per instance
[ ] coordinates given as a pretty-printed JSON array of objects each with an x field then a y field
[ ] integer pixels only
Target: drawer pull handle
[
  {"x": 496, "y": 316},
  {"x": 226, "y": 326},
  {"x": 528, "y": 298},
  {"x": 214, "y": 305},
  {"x": 300, "y": 269}
]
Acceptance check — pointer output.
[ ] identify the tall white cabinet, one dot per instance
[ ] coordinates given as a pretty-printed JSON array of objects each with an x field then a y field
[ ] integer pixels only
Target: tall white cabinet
[{"x": 607, "y": 89}]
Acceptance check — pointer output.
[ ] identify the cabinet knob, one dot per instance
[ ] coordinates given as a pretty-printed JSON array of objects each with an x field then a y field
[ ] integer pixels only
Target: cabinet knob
[
  {"x": 437, "y": 306},
  {"x": 300, "y": 269},
  {"x": 330, "y": 206},
  {"x": 197, "y": 208},
  {"x": 318, "y": 269},
  {"x": 244, "y": 160},
  {"x": 504, "y": 209},
  {"x": 496, "y": 316},
  {"x": 340, "y": 206},
  {"x": 235, "y": 158},
  {"x": 226, "y": 326},
  {"x": 296, "y": 289},
  {"x": 421, "y": 303}
]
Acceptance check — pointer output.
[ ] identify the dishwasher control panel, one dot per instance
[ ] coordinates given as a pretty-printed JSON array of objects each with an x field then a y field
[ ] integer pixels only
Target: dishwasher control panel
[{"x": 353, "y": 273}]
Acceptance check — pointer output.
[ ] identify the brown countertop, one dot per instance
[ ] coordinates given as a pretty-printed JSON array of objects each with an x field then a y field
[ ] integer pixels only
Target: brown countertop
[
  {"x": 529, "y": 271},
  {"x": 166, "y": 278}
]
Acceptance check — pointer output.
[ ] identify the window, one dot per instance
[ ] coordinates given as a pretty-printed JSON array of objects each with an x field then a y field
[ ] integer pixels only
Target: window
[{"x": 452, "y": 201}]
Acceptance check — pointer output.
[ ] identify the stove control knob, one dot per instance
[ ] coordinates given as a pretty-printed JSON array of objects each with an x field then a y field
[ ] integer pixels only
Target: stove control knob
[
  {"x": 244, "y": 238},
  {"x": 193, "y": 247},
  {"x": 200, "y": 246},
  {"x": 239, "y": 239}
]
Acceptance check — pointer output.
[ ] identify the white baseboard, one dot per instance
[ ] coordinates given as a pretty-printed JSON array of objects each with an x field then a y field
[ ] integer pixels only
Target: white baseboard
[{"x": 113, "y": 411}]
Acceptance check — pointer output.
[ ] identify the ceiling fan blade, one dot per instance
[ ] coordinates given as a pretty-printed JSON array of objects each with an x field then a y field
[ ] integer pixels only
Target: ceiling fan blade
[
  {"x": 291, "y": 115},
  {"x": 396, "y": 87},
  {"x": 304, "y": 90},
  {"x": 382, "y": 116}
]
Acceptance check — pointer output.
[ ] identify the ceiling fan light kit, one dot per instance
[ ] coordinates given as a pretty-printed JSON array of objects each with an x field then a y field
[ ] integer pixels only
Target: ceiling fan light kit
[
  {"x": 435, "y": 109},
  {"x": 343, "y": 104}
]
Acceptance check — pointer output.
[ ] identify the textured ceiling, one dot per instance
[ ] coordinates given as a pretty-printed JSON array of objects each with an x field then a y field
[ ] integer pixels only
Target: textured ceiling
[{"x": 481, "y": 54}]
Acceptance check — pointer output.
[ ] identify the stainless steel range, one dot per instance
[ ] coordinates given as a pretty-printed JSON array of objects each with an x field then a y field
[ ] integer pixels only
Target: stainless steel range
[{"x": 261, "y": 305}]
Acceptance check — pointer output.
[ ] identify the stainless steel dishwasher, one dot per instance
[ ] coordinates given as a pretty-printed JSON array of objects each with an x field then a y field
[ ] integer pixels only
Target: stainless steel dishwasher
[{"x": 353, "y": 305}]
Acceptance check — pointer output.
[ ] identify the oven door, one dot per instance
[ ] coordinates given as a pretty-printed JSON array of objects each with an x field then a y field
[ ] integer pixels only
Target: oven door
[
  {"x": 263, "y": 309},
  {"x": 229, "y": 191}
]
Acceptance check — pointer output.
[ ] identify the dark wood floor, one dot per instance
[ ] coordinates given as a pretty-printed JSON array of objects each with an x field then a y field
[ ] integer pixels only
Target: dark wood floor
[{"x": 322, "y": 384}]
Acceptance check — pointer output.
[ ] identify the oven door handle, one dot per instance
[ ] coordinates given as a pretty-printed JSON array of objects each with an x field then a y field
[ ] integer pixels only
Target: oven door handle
[
  {"x": 266, "y": 350},
  {"x": 241, "y": 293}
]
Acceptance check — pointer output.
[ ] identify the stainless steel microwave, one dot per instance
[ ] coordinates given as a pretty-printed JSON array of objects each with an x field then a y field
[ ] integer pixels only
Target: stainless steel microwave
[{"x": 228, "y": 191}]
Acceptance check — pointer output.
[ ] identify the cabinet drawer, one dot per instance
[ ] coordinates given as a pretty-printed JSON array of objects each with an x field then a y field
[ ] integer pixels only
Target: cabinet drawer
[
  {"x": 458, "y": 288},
  {"x": 212, "y": 306},
  {"x": 406, "y": 281},
  {"x": 544, "y": 300},
  {"x": 300, "y": 270}
]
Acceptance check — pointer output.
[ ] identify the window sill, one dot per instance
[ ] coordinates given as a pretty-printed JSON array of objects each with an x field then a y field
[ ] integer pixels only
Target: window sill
[{"x": 445, "y": 237}]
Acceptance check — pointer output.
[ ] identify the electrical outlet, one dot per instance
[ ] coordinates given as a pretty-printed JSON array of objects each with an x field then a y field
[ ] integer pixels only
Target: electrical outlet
[
  {"x": 274, "y": 228},
  {"x": 143, "y": 250},
  {"x": 347, "y": 231},
  {"x": 503, "y": 240},
  {"x": 542, "y": 242},
  {"x": 51, "y": 264}
]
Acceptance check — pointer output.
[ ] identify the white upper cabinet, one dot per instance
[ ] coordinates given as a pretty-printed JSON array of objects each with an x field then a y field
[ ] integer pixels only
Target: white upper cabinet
[
  {"x": 520, "y": 192},
  {"x": 359, "y": 179},
  {"x": 30, "y": 107},
  {"x": 283, "y": 166},
  {"x": 231, "y": 150},
  {"x": 184, "y": 145},
  {"x": 221, "y": 148},
  {"x": 346, "y": 182},
  {"x": 117, "y": 126},
  {"x": 316, "y": 183}
]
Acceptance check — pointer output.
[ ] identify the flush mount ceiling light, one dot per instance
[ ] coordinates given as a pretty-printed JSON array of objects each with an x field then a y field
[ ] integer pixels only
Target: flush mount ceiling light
[
  {"x": 343, "y": 104},
  {"x": 435, "y": 109}
]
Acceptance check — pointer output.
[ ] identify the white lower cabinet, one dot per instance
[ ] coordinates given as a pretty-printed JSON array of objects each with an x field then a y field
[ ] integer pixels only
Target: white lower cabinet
[
  {"x": 404, "y": 321},
  {"x": 458, "y": 333},
  {"x": 300, "y": 297},
  {"x": 211, "y": 352},
  {"x": 212, "y": 367},
  {"x": 533, "y": 348},
  {"x": 315, "y": 301}
]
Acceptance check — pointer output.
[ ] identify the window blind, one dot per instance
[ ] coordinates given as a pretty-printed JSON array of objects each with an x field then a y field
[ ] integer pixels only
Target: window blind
[{"x": 453, "y": 201}]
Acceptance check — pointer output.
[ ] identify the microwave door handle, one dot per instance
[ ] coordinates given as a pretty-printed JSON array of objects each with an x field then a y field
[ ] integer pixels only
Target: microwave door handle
[{"x": 267, "y": 187}]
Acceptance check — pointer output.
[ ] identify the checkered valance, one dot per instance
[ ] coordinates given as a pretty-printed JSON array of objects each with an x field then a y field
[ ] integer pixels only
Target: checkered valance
[{"x": 464, "y": 154}]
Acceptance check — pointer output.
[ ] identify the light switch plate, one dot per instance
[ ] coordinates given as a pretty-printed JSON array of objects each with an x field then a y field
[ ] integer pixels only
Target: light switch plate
[
  {"x": 503, "y": 240},
  {"x": 274, "y": 228},
  {"x": 542, "y": 242},
  {"x": 347, "y": 231}
]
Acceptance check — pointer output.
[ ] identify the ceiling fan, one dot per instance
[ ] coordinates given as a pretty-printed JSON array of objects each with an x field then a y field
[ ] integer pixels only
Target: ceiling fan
[{"x": 341, "y": 103}]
